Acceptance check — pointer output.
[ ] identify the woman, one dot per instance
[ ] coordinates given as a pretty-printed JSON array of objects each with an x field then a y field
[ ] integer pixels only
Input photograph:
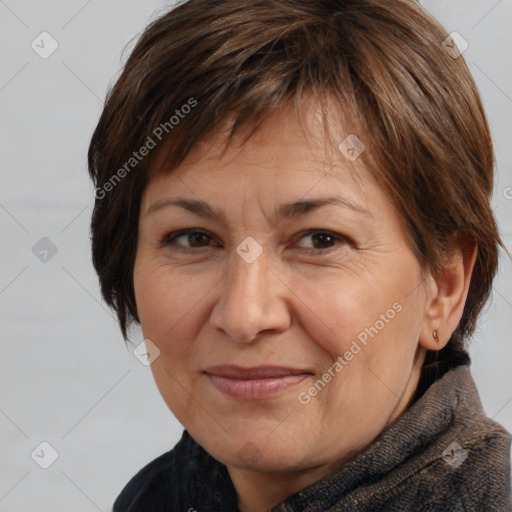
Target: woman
[{"x": 292, "y": 200}]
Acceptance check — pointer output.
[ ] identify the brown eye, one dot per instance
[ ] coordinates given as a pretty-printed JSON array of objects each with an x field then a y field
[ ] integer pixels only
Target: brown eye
[
  {"x": 194, "y": 239},
  {"x": 321, "y": 240}
]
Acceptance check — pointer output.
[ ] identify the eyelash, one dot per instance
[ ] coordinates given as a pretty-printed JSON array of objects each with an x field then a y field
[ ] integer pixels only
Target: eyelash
[{"x": 171, "y": 237}]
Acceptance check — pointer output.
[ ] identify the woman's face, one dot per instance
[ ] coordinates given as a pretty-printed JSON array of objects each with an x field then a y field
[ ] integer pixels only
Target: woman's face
[{"x": 288, "y": 324}]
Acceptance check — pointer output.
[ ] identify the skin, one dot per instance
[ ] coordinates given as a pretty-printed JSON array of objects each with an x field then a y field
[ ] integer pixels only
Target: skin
[{"x": 300, "y": 304}]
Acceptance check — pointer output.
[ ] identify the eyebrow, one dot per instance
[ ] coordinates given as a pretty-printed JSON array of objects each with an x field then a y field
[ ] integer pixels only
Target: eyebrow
[{"x": 286, "y": 210}]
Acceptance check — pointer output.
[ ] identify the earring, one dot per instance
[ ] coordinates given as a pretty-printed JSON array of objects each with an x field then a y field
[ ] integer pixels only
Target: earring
[{"x": 436, "y": 337}]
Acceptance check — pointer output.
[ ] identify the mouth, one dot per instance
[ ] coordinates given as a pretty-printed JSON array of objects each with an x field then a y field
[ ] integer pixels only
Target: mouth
[{"x": 254, "y": 383}]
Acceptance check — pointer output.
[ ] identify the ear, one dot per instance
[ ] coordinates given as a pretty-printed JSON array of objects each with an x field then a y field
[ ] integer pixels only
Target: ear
[{"x": 446, "y": 296}]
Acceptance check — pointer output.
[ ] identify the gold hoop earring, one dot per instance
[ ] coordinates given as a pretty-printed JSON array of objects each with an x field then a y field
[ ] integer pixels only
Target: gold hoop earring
[{"x": 436, "y": 337}]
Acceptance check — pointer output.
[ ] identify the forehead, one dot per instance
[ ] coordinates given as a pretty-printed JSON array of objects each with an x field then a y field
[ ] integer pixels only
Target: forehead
[{"x": 285, "y": 147}]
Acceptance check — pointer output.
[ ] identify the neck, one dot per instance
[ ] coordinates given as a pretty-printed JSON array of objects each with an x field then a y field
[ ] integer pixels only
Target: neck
[{"x": 258, "y": 492}]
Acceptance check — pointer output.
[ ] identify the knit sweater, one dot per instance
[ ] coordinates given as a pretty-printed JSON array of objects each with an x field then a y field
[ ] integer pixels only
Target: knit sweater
[{"x": 442, "y": 454}]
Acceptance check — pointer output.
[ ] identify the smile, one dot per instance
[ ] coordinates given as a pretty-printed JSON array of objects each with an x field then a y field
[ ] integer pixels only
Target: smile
[{"x": 255, "y": 383}]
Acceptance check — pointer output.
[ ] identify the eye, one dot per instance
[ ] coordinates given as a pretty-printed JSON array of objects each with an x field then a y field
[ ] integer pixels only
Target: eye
[
  {"x": 195, "y": 238},
  {"x": 321, "y": 240}
]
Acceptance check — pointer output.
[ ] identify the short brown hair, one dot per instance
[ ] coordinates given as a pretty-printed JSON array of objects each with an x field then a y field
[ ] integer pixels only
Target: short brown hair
[{"x": 413, "y": 104}]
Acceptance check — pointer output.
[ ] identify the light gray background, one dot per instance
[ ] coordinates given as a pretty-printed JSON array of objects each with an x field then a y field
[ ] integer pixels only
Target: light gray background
[{"x": 66, "y": 376}]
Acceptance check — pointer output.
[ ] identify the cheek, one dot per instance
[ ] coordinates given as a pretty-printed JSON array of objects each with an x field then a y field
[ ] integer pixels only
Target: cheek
[
  {"x": 169, "y": 299},
  {"x": 170, "y": 310},
  {"x": 342, "y": 307},
  {"x": 171, "y": 307},
  {"x": 377, "y": 357},
  {"x": 371, "y": 324}
]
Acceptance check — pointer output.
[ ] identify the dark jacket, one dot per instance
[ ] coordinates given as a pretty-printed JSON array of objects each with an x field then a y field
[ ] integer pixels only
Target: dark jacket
[{"x": 442, "y": 454}]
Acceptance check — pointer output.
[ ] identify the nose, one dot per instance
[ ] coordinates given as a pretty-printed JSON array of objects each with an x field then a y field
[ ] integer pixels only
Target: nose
[{"x": 252, "y": 301}]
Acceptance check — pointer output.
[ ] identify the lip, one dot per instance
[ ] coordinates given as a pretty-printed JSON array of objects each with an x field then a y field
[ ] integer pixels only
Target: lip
[{"x": 254, "y": 383}]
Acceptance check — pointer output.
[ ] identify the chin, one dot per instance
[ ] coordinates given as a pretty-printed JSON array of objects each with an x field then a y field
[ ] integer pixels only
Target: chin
[{"x": 258, "y": 453}]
